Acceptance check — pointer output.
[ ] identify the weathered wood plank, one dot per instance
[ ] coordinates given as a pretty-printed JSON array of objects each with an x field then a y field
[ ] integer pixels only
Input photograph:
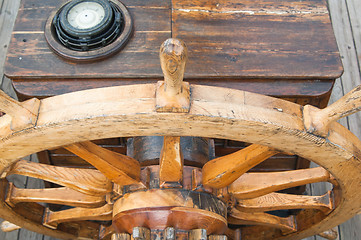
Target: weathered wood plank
[
  {"x": 8, "y": 12},
  {"x": 257, "y": 38},
  {"x": 354, "y": 8}
]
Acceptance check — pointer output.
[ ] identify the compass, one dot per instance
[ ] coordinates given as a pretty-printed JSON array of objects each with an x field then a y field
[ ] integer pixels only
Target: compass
[
  {"x": 87, "y": 18},
  {"x": 89, "y": 29}
]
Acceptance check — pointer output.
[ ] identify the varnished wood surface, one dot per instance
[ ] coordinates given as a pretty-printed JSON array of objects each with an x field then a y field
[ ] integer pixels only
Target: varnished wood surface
[
  {"x": 119, "y": 168},
  {"x": 349, "y": 47},
  {"x": 222, "y": 171}
]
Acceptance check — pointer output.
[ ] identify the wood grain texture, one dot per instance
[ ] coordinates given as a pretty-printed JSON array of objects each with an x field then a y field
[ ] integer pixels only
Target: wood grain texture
[
  {"x": 23, "y": 114},
  {"x": 119, "y": 168},
  {"x": 331, "y": 234},
  {"x": 286, "y": 224},
  {"x": 173, "y": 56},
  {"x": 173, "y": 94},
  {"x": 279, "y": 201},
  {"x": 171, "y": 163},
  {"x": 63, "y": 196},
  {"x": 160, "y": 208},
  {"x": 33, "y": 210},
  {"x": 87, "y": 181},
  {"x": 252, "y": 38},
  {"x": 295, "y": 90},
  {"x": 318, "y": 121},
  {"x": 52, "y": 219},
  {"x": 8, "y": 12},
  {"x": 251, "y": 185},
  {"x": 198, "y": 234},
  {"x": 222, "y": 171}
]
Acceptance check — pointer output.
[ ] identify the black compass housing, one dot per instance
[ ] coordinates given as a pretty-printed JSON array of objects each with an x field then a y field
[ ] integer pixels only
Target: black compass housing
[{"x": 101, "y": 35}]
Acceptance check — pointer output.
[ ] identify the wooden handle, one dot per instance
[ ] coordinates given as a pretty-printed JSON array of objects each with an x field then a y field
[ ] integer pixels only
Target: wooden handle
[
  {"x": 173, "y": 57},
  {"x": 8, "y": 105},
  {"x": 318, "y": 121},
  {"x": 23, "y": 114},
  {"x": 8, "y": 226}
]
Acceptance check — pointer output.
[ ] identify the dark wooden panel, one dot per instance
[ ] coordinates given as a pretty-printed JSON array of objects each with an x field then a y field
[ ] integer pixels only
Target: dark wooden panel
[
  {"x": 257, "y": 38},
  {"x": 293, "y": 90}
]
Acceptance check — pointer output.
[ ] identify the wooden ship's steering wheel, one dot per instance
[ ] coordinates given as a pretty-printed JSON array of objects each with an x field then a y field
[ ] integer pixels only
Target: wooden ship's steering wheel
[{"x": 171, "y": 197}]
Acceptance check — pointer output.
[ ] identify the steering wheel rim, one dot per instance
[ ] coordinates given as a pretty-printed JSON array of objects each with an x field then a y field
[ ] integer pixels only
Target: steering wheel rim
[{"x": 226, "y": 113}]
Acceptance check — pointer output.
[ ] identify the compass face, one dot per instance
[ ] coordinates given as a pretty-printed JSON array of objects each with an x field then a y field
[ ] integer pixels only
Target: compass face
[
  {"x": 85, "y": 15},
  {"x": 85, "y": 25},
  {"x": 86, "y": 18}
]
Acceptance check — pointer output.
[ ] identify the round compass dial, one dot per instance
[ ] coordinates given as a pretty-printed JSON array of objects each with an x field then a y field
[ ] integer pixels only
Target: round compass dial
[
  {"x": 86, "y": 15},
  {"x": 86, "y": 18}
]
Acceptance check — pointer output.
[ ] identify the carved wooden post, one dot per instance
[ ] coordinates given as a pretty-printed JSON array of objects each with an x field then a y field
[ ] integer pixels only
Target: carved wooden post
[
  {"x": 8, "y": 226},
  {"x": 317, "y": 121},
  {"x": 331, "y": 234},
  {"x": 173, "y": 93},
  {"x": 23, "y": 114},
  {"x": 171, "y": 163},
  {"x": 173, "y": 56}
]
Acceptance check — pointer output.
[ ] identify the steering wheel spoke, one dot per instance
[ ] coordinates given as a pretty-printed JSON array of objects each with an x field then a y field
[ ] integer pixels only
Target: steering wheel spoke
[
  {"x": 222, "y": 171},
  {"x": 119, "y": 168},
  {"x": 53, "y": 219},
  {"x": 282, "y": 201},
  {"x": 171, "y": 163},
  {"x": 252, "y": 185},
  {"x": 62, "y": 195},
  {"x": 286, "y": 224},
  {"x": 87, "y": 181}
]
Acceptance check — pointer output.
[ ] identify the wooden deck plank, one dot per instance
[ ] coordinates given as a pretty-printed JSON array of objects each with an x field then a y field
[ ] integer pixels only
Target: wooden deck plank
[
  {"x": 347, "y": 29},
  {"x": 8, "y": 12},
  {"x": 354, "y": 8}
]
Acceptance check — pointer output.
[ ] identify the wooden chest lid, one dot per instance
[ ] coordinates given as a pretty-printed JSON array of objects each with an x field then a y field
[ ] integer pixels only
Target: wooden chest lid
[{"x": 233, "y": 39}]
